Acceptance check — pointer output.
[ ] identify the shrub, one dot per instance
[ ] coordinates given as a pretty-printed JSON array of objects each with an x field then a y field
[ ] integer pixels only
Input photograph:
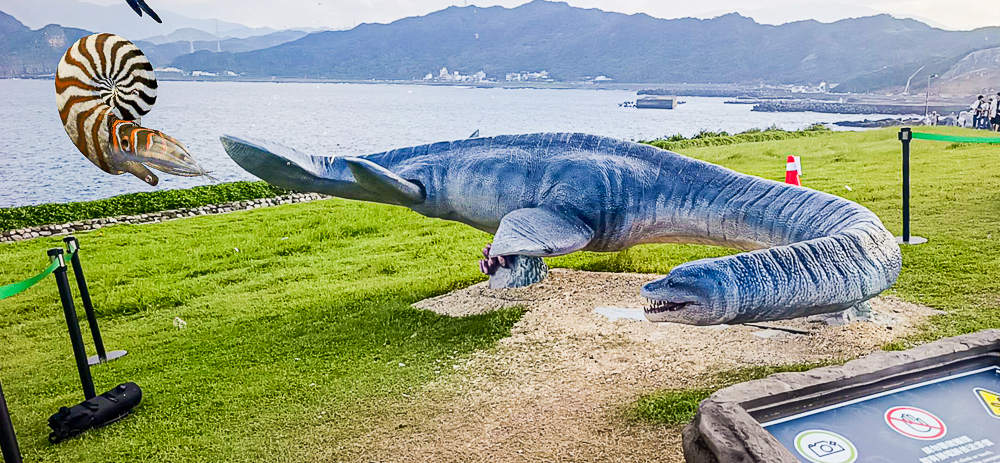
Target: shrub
[
  {"x": 708, "y": 138},
  {"x": 134, "y": 203}
]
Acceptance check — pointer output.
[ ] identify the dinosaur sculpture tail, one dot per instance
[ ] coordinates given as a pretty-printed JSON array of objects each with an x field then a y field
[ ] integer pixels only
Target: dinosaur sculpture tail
[{"x": 344, "y": 177}]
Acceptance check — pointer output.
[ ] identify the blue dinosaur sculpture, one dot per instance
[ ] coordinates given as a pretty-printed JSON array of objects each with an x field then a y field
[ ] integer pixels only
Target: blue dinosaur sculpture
[{"x": 545, "y": 195}]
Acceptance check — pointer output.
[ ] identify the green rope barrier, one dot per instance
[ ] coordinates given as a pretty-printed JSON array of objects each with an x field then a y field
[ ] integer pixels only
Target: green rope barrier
[
  {"x": 15, "y": 288},
  {"x": 936, "y": 137}
]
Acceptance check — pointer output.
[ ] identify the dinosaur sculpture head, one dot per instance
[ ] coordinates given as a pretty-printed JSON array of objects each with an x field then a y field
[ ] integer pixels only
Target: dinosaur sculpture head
[{"x": 689, "y": 294}]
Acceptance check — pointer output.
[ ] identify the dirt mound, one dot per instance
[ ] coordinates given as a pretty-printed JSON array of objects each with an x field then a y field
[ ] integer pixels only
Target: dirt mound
[{"x": 554, "y": 389}]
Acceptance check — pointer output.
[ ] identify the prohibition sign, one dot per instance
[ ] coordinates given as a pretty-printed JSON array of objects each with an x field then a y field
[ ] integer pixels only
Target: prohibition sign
[{"x": 915, "y": 423}]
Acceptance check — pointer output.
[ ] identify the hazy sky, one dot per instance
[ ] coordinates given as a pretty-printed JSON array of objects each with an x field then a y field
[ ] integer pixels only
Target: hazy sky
[{"x": 281, "y": 14}]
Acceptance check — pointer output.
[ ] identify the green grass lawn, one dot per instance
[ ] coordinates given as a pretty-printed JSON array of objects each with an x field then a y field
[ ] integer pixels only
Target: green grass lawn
[
  {"x": 281, "y": 336},
  {"x": 676, "y": 407},
  {"x": 283, "y": 330}
]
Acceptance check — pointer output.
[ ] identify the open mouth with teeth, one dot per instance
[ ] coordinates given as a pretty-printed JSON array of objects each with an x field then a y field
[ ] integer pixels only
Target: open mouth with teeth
[{"x": 657, "y": 306}]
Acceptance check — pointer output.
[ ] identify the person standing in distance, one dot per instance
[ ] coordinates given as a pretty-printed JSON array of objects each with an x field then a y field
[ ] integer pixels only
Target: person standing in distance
[
  {"x": 994, "y": 116},
  {"x": 977, "y": 111},
  {"x": 992, "y": 113}
]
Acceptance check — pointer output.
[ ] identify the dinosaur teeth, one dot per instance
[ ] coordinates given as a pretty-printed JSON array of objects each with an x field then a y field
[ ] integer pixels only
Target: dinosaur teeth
[{"x": 657, "y": 306}]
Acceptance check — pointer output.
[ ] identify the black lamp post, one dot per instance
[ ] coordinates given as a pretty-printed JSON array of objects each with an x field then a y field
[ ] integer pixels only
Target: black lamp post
[{"x": 927, "y": 93}]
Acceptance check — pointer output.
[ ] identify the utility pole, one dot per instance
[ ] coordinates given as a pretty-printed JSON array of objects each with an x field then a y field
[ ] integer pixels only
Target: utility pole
[{"x": 927, "y": 93}]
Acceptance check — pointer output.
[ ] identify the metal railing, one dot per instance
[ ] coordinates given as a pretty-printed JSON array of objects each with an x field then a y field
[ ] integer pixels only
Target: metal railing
[{"x": 57, "y": 267}]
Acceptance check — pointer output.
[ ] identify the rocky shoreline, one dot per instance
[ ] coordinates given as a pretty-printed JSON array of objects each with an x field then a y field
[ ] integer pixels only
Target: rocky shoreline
[
  {"x": 852, "y": 108},
  {"x": 881, "y": 123},
  {"x": 22, "y": 234}
]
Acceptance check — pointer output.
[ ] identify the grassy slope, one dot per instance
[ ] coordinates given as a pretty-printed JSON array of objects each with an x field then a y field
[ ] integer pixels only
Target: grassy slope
[
  {"x": 335, "y": 295},
  {"x": 282, "y": 336}
]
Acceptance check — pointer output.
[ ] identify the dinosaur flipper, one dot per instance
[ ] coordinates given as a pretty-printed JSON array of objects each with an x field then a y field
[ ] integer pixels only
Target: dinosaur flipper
[
  {"x": 285, "y": 167},
  {"x": 135, "y": 7},
  {"x": 384, "y": 183},
  {"x": 540, "y": 232},
  {"x": 142, "y": 4}
]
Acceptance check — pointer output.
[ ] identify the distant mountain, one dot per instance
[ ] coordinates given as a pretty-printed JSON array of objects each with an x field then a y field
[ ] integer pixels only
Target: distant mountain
[
  {"x": 321, "y": 29},
  {"x": 117, "y": 19},
  {"x": 573, "y": 43},
  {"x": 260, "y": 42},
  {"x": 185, "y": 34},
  {"x": 24, "y": 51},
  {"x": 822, "y": 12},
  {"x": 162, "y": 55},
  {"x": 976, "y": 73}
]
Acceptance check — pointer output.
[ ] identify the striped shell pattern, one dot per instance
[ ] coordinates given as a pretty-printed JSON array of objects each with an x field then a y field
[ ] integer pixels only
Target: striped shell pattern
[{"x": 101, "y": 79}]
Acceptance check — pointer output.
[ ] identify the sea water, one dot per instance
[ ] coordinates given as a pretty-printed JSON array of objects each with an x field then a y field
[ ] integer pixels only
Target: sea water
[{"x": 39, "y": 164}]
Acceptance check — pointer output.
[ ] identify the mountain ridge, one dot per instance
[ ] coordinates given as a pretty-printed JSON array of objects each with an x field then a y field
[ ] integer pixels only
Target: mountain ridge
[
  {"x": 32, "y": 52},
  {"x": 27, "y": 52},
  {"x": 574, "y": 43},
  {"x": 117, "y": 19},
  {"x": 163, "y": 54}
]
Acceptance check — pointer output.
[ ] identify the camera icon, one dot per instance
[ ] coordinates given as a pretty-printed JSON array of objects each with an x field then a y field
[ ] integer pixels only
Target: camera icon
[{"x": 825, "y": 448}]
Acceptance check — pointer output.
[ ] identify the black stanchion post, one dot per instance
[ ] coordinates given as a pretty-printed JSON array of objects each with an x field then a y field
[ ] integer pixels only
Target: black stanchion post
[
  {"x": 75, "y": 337},
  {"x": 905, "y": 136},
  {"x": 73, "y": 247},
  {"x": 8, "y": 441}
]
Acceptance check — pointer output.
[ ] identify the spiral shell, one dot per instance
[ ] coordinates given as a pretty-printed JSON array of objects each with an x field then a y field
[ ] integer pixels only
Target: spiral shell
[{"x": 102, "y": 78}]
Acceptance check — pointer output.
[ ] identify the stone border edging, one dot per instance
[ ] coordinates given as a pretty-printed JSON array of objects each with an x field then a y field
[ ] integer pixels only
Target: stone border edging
[
  {"x": 22, "y": 234},
  {"x": 723, "y": 431}
]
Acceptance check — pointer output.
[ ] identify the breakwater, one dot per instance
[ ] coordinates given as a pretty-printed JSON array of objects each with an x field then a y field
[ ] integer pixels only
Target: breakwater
[
  {"x": 851, "y": 108},
  {"x": 888, "y": 122},
  {"x": 714, "y": 93},
  {"x": 22, "y": 234},
  {"x": 741, "y": 94}
]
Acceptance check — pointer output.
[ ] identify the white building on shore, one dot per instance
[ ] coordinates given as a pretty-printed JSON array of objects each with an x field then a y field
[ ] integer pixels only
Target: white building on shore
[
  {"x": 455, "y": 76},
  {"x": 525, "y": 76},
  {"x": 168, "y": 70}
]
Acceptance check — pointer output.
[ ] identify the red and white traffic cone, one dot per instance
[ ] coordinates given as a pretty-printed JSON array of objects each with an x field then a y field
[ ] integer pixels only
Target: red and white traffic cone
[{"x": 792, "y": 170}]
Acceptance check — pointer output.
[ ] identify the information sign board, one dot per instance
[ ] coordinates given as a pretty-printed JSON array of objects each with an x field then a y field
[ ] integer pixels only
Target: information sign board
[{"x": 955, "y": 419}]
